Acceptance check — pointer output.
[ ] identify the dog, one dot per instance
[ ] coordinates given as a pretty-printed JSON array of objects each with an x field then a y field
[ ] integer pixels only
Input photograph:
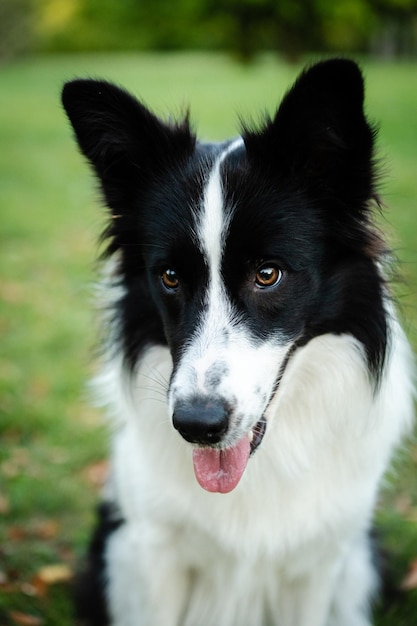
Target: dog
[{"x": 257, "y": 376}]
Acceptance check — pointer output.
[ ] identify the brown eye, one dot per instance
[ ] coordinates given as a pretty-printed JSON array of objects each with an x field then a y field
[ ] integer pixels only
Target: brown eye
[
  {"x": 170, "y": 279},
  {"x": 268, "y": 276}
]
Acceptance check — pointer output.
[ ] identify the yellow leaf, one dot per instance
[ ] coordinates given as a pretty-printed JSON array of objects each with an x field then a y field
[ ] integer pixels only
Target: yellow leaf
[
  {"x": 24, "y": 619},
  {"x": 410, "y": 580},
  {"x": 52, "y": 574}
]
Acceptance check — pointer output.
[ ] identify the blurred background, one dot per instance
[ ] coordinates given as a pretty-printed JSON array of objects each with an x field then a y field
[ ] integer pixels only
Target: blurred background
[
  {"x": 387, "y": 28},
  {"x": 223, "y": 58}
]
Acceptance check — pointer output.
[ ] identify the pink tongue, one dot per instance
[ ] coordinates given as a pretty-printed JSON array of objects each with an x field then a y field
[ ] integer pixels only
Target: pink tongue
[{"x": 221, "y": 470}]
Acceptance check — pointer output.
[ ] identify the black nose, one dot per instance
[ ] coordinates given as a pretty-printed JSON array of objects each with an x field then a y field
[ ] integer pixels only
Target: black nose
[{"x": 201, "y": 421}]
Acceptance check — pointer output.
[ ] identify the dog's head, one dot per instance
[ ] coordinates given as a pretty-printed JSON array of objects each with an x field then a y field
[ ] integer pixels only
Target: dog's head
[{"x": 236, "y": 254}]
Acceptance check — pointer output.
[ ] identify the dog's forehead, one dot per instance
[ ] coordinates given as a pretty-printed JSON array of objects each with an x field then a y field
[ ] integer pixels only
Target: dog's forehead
[{"x": 214, "y": 215}]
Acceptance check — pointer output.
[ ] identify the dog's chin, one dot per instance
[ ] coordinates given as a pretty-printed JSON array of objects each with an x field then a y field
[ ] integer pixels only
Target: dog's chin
[{"x": 219, "y": 470}]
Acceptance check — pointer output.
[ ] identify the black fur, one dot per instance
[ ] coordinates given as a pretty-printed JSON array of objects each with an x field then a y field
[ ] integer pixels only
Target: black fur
[{"x": 89, "y": 590}]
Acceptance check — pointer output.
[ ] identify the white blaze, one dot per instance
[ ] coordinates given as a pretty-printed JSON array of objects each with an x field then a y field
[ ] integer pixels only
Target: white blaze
[{"x": 221, "y": 358}]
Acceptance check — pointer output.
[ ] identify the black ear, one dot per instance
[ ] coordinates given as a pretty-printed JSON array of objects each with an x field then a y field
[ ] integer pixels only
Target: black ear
[
  {"x": 320, "y": 135},
  {"x": 125, "y": 143}
]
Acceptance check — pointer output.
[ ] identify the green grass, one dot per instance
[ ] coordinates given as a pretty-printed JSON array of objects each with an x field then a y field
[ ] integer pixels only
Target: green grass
[{"x": 49, "y": 222}]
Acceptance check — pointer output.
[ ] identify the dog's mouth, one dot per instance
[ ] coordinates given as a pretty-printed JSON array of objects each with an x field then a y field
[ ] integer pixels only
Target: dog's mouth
[
  {"x": 256, "y": 435},
  {"x": 220, "y": 469}
]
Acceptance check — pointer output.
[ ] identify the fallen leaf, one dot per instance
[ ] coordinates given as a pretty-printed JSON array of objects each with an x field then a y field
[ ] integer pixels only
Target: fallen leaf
[
  {"x": 28, "y": 589},
  {"x": 17, "y": 533},
  {"x": 4, "y": 504},
  {"x": 46, "y": 529},
  {"x": 39, "y": 529},
  {"x": 53, "y": 574},
  {"x": 24, "y": 619},
  {"x": 18, "y": 461},
  {"x": 410, "y": 580},
  {"x": 49, "y": 575},
  {"x": 97, "y": 473},
  {"x": 403, "y": 505},
  {"x": 39, "y": 387}
]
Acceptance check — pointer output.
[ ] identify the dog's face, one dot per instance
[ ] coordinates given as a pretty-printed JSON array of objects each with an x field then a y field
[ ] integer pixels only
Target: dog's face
[
  {"x": 234, "y": 284},
  {"x": 235, "y": 254}
]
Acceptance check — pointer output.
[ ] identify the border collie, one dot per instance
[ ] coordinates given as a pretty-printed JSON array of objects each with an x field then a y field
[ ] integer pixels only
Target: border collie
[{"x": 254, "y": 366}]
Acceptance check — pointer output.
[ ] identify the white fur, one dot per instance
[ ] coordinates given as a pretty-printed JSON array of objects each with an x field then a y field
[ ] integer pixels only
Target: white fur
[
  {"x": 279, "y": 545},
  {"x": 213, "y": 221},
  {"x": 288, "y": 546}
]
